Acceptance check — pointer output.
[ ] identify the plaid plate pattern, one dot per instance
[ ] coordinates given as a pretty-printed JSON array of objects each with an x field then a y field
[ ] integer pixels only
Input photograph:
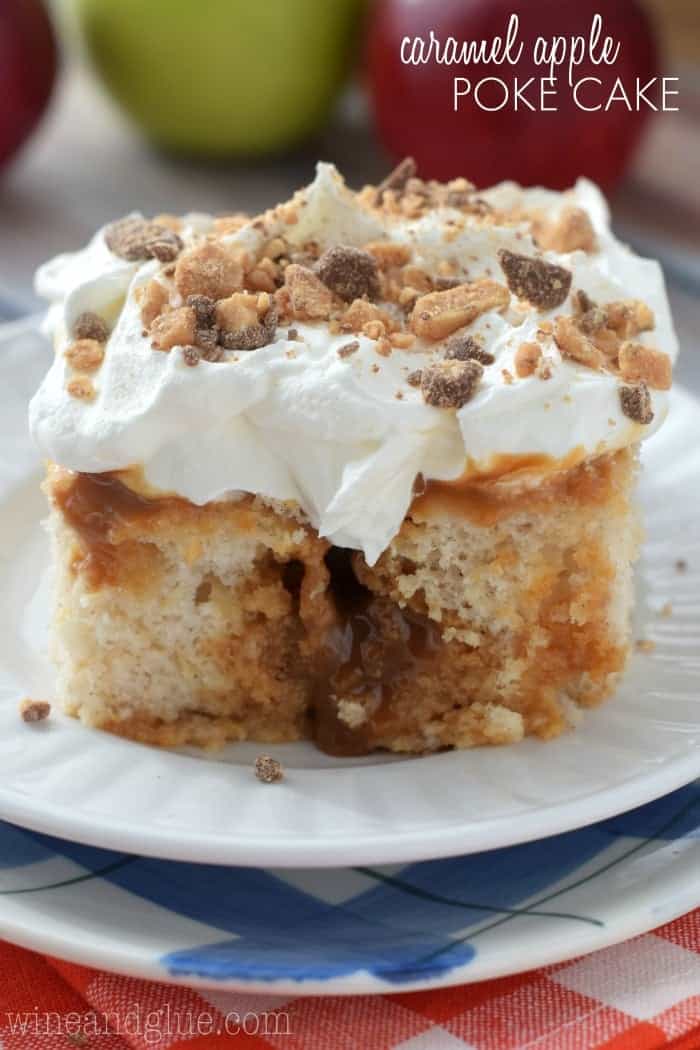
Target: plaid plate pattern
[
  {"x": 640, "y": 995},
  {"x": 364, "y": 929}
]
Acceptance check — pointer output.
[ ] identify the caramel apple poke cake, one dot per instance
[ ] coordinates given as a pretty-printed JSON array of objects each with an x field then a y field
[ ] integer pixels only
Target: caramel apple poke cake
[{"x": 359, "y": 469}]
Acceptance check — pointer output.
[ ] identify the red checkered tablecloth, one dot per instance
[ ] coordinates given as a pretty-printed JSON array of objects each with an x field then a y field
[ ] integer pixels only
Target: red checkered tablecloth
[{"x": 639, "y": 995}]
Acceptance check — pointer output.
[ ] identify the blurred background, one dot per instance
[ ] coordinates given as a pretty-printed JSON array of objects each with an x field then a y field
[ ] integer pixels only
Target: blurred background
[{"x": 174, "y": 105}]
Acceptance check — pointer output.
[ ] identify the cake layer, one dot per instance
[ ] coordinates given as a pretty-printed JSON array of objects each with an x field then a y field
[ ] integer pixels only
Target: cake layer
[{"x": 498, "y": 602}]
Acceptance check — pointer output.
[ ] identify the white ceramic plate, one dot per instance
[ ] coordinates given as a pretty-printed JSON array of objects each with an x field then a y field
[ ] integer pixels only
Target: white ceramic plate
[
  {"x": 91, "y": 787},
  {"x": 363, "y": 929}
]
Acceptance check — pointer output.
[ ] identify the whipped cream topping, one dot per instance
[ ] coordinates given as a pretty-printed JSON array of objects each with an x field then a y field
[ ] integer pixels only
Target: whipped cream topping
[{"x": 296, "y": 421}]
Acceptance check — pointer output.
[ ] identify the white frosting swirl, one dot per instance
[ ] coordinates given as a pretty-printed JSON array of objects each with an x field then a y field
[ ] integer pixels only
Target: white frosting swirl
[{"x": 294, "y": 421}]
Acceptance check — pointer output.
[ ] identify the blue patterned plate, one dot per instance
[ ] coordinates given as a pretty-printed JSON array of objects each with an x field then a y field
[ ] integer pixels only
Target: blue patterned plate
[{"x": 352, "y": 930}]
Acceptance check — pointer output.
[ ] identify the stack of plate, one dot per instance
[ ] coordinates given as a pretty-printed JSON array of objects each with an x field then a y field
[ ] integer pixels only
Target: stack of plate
[{"x": 350, "y": 875}]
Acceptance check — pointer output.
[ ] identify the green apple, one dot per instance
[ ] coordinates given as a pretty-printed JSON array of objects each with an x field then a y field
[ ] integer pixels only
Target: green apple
[{"x": 223, "y": 77}]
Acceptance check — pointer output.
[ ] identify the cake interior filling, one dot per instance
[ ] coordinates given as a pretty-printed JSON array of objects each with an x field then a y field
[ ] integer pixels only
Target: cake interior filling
[
  {"x": 355, "y": 662},
  {"x": 363, "y": 655},
  {"x": 309, "y": 634}
]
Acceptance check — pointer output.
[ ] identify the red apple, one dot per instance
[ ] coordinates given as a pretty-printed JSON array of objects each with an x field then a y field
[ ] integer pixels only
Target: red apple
[
  {"x": 27, "y": 70},
  {"x": 414, "y": 104}
]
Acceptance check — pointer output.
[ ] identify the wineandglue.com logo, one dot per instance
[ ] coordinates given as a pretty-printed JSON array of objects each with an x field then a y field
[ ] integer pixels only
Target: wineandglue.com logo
[{"x": 561, "y": 59}]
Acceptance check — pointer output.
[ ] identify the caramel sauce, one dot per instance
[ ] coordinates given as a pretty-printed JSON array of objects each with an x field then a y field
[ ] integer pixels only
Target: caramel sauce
[
  {"x": 485, "y": 497},
  {"x": 95, "y": 505},
  {"x": 363, "y": 658},
  {"x": 362, "y": 655}
]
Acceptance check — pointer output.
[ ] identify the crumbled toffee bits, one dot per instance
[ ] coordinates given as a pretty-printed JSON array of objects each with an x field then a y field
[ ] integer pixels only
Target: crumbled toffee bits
[
  {"x": 206, "y": 339},
  {"x": 204, "y": 309},
  {"x": 450, "y": 384},
  {"x": 541, "y": 283},
  {"x": 268, "y": 769},
  {"x": 252, "y": 336},
  {"x": 81, "y": 388},
  {"x": 348, "y": 349},
  {"x": 86, "y": 355},
  {"x": 636, "y": 403},
  {"x": 134, "y": 239},
  {"x": 89, "y": 325},
  {"x": 191, "y": 356},
  {"x": 466, "y": 348},
  {"x": 349, "y": 272},
  {"x": 396, "y": 180},
  {"x": 527, "y": 359},
  {"x": 34, "y": 710}
]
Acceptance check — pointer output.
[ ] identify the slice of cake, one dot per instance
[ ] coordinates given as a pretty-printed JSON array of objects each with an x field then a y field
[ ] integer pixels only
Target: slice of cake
[{"x": 359, "y": 469}]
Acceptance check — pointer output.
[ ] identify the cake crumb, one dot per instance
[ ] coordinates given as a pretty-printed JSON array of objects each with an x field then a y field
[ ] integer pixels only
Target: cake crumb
[
  {"x": 415, "y": 377},
  {"x": 352, "y": 713},
  {"x": 34, "y": 710},
  {"x": 681, "y": 565},
  {"x": 268, "y": 769},
  {"x": 666, "y": 610},
  {"x": 645, "y": 645},
  {"x": 348, "y": 348}
]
